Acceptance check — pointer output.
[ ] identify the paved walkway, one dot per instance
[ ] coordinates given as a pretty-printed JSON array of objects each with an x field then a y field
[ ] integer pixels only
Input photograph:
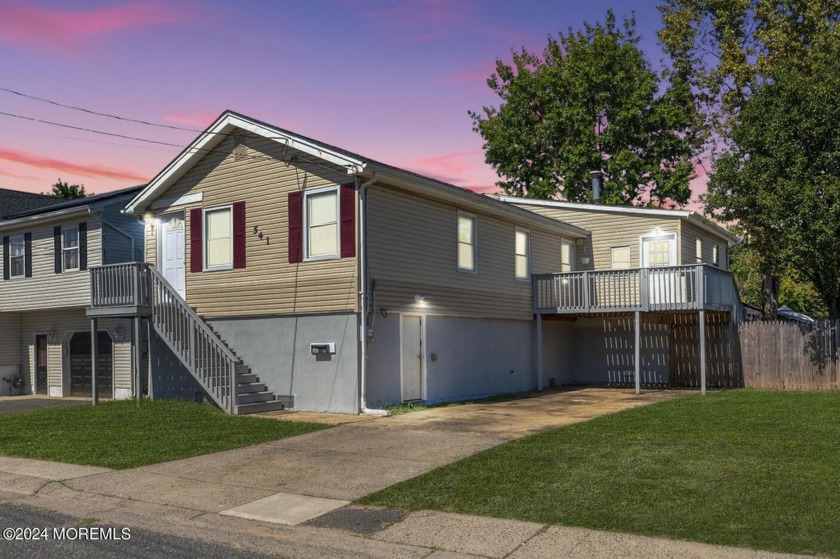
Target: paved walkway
[{"x": 291, "y": 497}]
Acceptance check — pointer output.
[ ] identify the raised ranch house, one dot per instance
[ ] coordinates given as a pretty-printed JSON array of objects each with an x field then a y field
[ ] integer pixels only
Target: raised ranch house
[{"x": 279, "y": 271}]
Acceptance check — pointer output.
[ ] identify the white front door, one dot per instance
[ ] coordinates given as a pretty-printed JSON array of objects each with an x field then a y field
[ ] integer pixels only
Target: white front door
[
  {"x": 172, "y": 250},
  {"x": 411, "y": 351}
]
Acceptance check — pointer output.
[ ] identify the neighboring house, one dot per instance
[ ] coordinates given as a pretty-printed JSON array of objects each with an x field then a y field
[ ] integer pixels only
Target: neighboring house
[
  {"x": 45, "y": 336},
  {"x": 334, "y": 282},
  {"x": 655, "y": 272}
]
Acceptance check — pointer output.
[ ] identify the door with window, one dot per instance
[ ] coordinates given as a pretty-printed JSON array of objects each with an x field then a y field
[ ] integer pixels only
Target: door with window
[
  {"x": 172, "y": 250},
  {"x": 665, "y": 286},
  {"x": 41, "y": 364},
  {"x": 411, "y": 351}
]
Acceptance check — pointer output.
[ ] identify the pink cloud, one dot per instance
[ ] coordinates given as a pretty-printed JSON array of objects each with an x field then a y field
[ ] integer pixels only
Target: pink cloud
[
  {"x": 68, "y": 168},
  {"x": 202, "y": 119},
  {"x": 30, "y": 26},
  {"x": 478, "y": 74},
  {"x": 419, "y": 12},
  {"x": 454, "y": 163}
]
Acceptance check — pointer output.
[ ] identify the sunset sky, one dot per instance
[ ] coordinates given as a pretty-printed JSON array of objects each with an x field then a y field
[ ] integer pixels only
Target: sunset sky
[{"x": 390, "y": 80}]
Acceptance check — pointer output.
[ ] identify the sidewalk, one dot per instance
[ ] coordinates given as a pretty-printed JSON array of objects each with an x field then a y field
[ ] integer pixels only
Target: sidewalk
[{"x": 292, "y": 497}]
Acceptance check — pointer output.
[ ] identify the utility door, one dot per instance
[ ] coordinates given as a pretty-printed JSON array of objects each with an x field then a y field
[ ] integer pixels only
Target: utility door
[
  {"x": 172, "y": 250},
  {"x": 41, "y": 364},
  {"x": 412, "y": 354}
]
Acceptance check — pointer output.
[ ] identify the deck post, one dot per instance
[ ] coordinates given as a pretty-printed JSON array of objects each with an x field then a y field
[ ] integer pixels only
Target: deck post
[
  {"x": 149, "y": 356},
  {"x": 94, "y": 352},
  {"x": 638, "y": 371},
  {"x": 539, "y": 352},
  {"x": 702, "y": 326},
  {"x": 138, "y": 360}
]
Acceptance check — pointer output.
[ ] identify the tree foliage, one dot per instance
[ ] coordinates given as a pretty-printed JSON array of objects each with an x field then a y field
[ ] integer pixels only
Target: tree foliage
[
  {"x": 69, "y": 191},
  {"x": 590, "y": 102}
]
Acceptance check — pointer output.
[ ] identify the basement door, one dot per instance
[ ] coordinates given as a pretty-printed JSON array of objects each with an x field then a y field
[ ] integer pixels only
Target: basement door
[
  {"x": 172, "y": 250},
  {"x": 411, "y": 355}
]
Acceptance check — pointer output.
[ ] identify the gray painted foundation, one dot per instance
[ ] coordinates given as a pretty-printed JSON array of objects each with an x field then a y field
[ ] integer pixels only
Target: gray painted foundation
[
  {"x": 278, "y": 350},
  {"x": 170, "y": 379}
]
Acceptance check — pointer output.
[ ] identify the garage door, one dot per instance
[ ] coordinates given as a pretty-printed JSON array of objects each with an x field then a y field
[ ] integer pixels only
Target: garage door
[{"x": 80, "y": 373}]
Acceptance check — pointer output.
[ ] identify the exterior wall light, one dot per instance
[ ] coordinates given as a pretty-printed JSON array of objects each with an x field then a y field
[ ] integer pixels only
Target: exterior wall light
[{"x": 419, "y": 298}]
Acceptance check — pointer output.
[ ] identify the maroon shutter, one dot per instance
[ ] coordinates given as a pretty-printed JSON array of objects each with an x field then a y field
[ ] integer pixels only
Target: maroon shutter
[
  {"x": 239, "y": 235},
  {"x": 196, "y": 236},
  {"x": 295, "y": 226},
  {"x": 347, "y": 206}
]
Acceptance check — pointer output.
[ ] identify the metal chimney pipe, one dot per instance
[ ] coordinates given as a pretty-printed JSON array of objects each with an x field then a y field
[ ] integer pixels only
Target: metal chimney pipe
[{"x": 596, "y": 186}]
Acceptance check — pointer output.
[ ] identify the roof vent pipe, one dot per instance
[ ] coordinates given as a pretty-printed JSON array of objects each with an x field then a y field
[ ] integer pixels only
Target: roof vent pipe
[{"x": 596, "y": 186}]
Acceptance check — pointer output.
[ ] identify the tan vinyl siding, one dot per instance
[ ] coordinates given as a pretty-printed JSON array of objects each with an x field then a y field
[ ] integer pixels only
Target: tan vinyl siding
[
  {"x": 610, "y": 230},
  {"x": 10, "y": 340},
  {"x": 46, "y": 289},
  {"x": 269, "y": 284},
  {"x": 412, "y": 245},
  {"x": 64, "y": 323},
  {"x": 689, "y": 236}
]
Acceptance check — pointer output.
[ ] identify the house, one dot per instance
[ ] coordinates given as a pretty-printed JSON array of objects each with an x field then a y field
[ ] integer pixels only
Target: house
[
  {"x": 642, "y": 283},
  {"x": 48, "y": 246}
]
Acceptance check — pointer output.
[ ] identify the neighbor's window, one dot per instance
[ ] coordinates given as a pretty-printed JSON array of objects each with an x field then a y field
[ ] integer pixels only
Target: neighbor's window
[
  {"x": 620, "y": 258},
  {"x": 715, "y": 255},
  {"x": 698, "y": 250},
  {"x": 566, "y": 256},
  {"x": 466, "y": 243},
  {"x": 70, "y": 248},
  {"x": 321, "y": 224},
  {"x": 522, "y": 255},
  {"x": 218, "y": 238},
  {"x": 17, "y": 256}
]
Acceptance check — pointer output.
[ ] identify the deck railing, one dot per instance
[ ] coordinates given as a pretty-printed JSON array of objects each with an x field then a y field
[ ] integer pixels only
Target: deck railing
[
  {"x": 121, "y": 285},
  {"x": 639, "y": 289}
]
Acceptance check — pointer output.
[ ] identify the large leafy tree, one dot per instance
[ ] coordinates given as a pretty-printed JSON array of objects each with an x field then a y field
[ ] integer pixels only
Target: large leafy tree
[
  {"x": 765, "y": 73},
  {"x": 62, "y": 189},
  {"x": 591, "y": 102}
]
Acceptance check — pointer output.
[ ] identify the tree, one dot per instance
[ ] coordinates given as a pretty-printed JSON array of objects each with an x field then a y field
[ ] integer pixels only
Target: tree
[
  {"x": 765, "y": 75},
  {"x": 591, "y": 102},
  {"x": 68, "y": 191}
]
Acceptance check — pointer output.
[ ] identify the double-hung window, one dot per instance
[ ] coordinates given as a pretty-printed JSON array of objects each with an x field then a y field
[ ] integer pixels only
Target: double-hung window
[
  {"x": 321, "y": 227},
  {"x": 17, "y": 256},
  {"x": 70, "y": 248},
  {"x": 522, "y": 254},
  {"x": 218, "y": 238},
  {"x": 466, "y": 243}
]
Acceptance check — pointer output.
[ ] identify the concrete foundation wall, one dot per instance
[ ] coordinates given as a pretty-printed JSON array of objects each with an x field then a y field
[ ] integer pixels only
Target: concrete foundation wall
[
  {"x": 277, "y": 350},
  {"x": 170, "y": 379}
]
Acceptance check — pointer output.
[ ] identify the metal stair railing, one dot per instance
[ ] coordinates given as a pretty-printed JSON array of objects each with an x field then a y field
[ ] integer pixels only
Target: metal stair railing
[{"x": 200, "y": 350}]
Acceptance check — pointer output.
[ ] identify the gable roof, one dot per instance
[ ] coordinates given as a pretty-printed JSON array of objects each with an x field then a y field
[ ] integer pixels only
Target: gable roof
[
  {"x": 67, "y": 207},
  {"x": 17, "y": 201},
  {"x": 693, "y": 217},
  {"x": 354, "y": 164}
]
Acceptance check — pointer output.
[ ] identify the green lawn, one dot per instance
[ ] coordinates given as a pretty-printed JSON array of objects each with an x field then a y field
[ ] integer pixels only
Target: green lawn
[
  {"x": 744, "y": 468},
  {"x": 119, "y": 435}
]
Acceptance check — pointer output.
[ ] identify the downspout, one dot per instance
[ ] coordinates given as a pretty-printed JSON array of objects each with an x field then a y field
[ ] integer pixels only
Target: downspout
[{"x": 363, "y": 298}]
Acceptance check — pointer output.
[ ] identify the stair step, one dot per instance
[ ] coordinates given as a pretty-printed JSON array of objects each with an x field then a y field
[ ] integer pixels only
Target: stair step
[
  {"x": 260, "y": 407},
  {"x": 242, "y": 370},
  {"x": 254, "y": 397},
  {"x": 251, "y": 387},
  {"x": 247, "y": 378}
]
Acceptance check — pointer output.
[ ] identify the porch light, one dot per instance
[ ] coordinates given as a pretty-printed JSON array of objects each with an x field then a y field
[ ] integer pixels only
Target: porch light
[{"x": 419, "y": 299}]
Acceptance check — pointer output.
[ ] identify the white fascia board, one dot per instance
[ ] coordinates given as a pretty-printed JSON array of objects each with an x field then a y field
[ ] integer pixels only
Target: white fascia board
[
  {"x": 45, "y": 217},
  {"x": 165, "y": 203},
  {"x": 472, "y": 201},
  {"x": 213, "y": 136}
]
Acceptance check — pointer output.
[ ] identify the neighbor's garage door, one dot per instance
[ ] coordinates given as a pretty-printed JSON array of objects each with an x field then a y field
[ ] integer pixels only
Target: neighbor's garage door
[{"x": 80, "y": 373}]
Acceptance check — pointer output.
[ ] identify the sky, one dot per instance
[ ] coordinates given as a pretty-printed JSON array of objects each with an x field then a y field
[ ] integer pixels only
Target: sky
[{"x": 392, "y": 81}]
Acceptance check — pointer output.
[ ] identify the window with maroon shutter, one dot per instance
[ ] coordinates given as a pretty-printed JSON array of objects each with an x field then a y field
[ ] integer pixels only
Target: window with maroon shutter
[
  {"x": 295, "y": 226},
  {"x": 348, "y": 221},
  {"x": 196, "y": 236},
  {"x": 239, "y": 235}
]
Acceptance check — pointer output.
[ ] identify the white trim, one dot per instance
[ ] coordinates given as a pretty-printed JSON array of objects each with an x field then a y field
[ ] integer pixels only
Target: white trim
[
  {"x": 527, "y": 276},
  {"x": 204, "y": 211},
  {"x": 166, "y": 203},
  {"x": 571, "y": 245},
  {"x": 305, "y": 220},
  {"x": 474, "y": 269},
  {"x": 160, "y": 240},
  {"x": 423, "y": 359},
  {"x": 219, "y": 131},
  {"x": 671, "y": 237},
  {"x": 58, "y": 214}
]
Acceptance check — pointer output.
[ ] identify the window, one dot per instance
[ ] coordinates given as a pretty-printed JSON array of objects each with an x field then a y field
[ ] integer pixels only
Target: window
[
  {"x": 715, "y": 256},
  {"x": 698, "y": 251},
  {"x": 620, "y": 258},
  {"x": 17, "y": 256},
  {"x": 70, "y": 248},
  {"x": 466, "y": 243},
  {"x": 566, "y": 256},
  {"x": 321, "y": 214},
  {"x": 658, "y": 250},
  {"x": 218, "y": 239},
  {"x": 522, "y": 254}
]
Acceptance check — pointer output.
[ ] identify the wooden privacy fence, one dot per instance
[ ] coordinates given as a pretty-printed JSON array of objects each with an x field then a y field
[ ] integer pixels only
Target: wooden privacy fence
[{"x": 790, "y": 355}]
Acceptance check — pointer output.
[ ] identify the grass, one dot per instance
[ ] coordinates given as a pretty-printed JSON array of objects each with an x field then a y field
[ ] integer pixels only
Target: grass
[
  {"x": 119, "y": 435},
  {"x": 744, "y": 468}
]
